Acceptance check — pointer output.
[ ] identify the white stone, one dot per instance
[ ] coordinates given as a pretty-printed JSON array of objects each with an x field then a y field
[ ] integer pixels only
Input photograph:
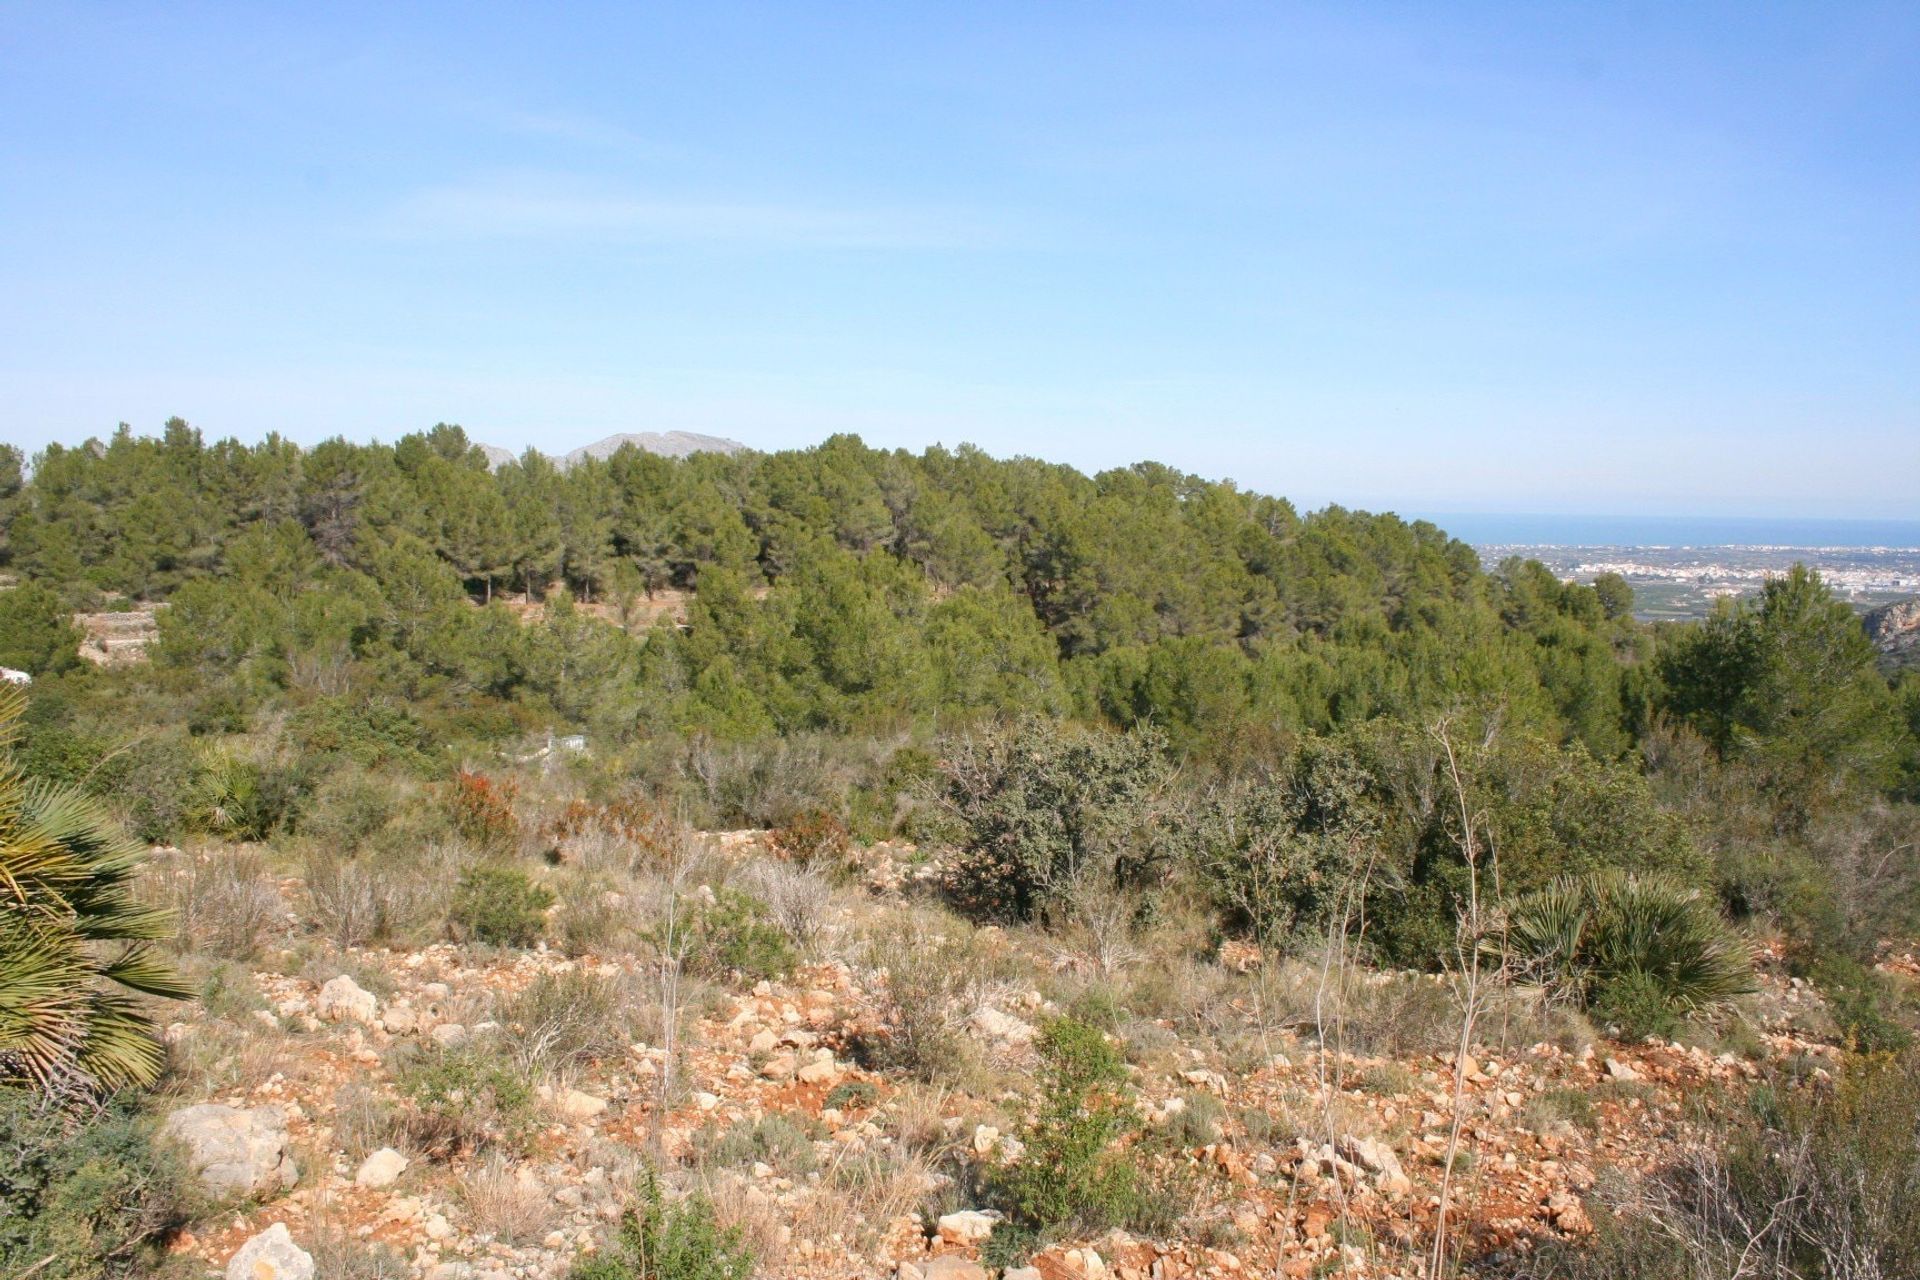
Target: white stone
[
  {"x": 995, "y": 1025},
  {"x": 235, "y": 1152},
  {"x": 950, "y": 1266},
  {"x": 342, "y": 997},
  {"x": 575, "y": 1105},
  {"x": 822, "y": 1070},
  {"x": 271, "y": 1255},
  {"x": 968, "y": 1226},
  {"x": 381, "y": 1169}
]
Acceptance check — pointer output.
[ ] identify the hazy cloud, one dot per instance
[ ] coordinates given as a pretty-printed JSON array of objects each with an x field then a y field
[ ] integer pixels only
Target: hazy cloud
[{"x": 560, "y": 206}]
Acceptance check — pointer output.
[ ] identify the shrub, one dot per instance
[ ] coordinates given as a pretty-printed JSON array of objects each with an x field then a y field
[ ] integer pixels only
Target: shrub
[
  {"x": 1640, "y": 949},
  {"x": 75, "y": 942},
  {"x": 506, "y": 1204},
  {"x": 1071, "y": 1175},
  {"x": 1279, "y": 853},
  {"x": 773, "y": 1138},
  {"x": 37, "y": 634},
  {"x": 349, "y": 809},
  {"x": 148, "y": 785},
  {"x": 88, "y": 1195},
  {"x": 463, "y": 1099},
  {"x": 566, "y": 1020},
  {"x": 624, "y": 835},
  {"x": 482, "y": 811},
  {"x": 372, "y": 732},
  {"x": 850, "y": 1094},
  {"x": 354, "y": 904},
  {"x": 732, "y": 935},
  {"x": 1197, "y": 1122},
  {"x": 499, "y": 905},
  {"x": 812, "y": 837},
  {"x": 1862, "y": 1003},
  {"x": 241, "y": 798},
  {"x": 796, "y": 899},
  {"x": 1562, "y": 1106},
  {"x": 923, "y": 1019},
  {"x": 225, "y": 901},
  {"x": 1043, "y": 805},
  {"x": 661, "y": 1241}
]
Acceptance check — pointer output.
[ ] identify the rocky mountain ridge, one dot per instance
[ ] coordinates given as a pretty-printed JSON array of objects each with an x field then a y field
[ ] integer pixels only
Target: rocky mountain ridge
[
  {"x": 668, "y": 444},
  {"x": 1895, "y": 630}
]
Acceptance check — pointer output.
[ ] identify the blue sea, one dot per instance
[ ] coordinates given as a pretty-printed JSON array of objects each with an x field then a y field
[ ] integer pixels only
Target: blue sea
[{"x": 1675, "y": 531}]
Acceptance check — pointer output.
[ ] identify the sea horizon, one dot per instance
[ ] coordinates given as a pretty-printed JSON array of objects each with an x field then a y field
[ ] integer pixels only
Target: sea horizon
[{"x": 1496, "y": 529}]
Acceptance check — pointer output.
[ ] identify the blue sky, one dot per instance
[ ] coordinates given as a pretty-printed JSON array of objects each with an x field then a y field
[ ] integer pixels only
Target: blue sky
[{"x": 1589, "y": 258}]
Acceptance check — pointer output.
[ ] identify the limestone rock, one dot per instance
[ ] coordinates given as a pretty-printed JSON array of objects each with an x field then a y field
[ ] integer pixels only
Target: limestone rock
[
  {"x": 381, "y": 1169},
  {"x": 342, "y": 998},
  {"x": 1370, "y": 1154},
  {"x": 235, "y": 1152},
  {"x": 271, "y": 1255},
  {"x": 968, "y": 1226},
  {"x": 950, "y": 1267},
  {"x": 995, "y": 1025},
  {"x": 822, "y": 1070},
  {"x": 578, "y": 1106}
]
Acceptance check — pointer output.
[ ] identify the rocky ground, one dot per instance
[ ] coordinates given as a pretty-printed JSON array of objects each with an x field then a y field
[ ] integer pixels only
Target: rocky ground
[{"x": 1299, "y": 1160}]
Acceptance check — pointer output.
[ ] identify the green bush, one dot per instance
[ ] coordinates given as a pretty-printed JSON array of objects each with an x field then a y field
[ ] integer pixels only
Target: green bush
[
  {"x": 851, "y": 1093},
  {"x": 661, "y": 1241},
  {"x": 499, "y": 905},
  {"x": 463, "y": 1099},
  {"x": 774, "y": 1139},
  {"x": 733, "y": 935},
  {"x": 372, "y": 732},
  {"x": 1038, "y": 807},
  {"x": 86, "y": 1195},
  {"x": 1638, "y": 950},
  {"x": 37, "y": 634},
  {"x": 1072, "y": 1175},
  {"x": 1280, "y": 852},
  {"x": 1864, "y": 1005},
  {"x": 76, "y": 942},
  {"x": 240, "y": 798}
]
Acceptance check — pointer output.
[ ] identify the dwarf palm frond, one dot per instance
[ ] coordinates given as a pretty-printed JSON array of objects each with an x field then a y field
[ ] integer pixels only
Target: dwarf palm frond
[
  {"x": 74, "y": 939},
  {"x": 1581, "y": 935}
]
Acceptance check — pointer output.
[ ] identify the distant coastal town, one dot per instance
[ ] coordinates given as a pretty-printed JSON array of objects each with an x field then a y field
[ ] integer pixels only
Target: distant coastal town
[{"x": 1684, "y": 582}]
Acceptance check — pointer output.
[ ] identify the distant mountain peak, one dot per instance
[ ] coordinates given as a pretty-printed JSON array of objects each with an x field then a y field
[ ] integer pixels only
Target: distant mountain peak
[{"x": 668, "y": 444}]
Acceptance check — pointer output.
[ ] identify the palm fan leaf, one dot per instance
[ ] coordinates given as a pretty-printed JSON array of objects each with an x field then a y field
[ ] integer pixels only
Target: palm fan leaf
[
  {"x": 1581, "y": 934},
  {"x": 68, "y": 1000}
]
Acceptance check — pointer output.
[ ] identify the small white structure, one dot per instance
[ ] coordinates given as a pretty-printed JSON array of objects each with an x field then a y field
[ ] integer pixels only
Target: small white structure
[{"x": 15, "y": 677}]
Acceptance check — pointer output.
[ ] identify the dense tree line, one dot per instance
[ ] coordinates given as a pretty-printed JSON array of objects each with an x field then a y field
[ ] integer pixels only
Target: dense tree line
[
  {"x": 837, "y": 588},
  {"x": 373, "y": 607}
]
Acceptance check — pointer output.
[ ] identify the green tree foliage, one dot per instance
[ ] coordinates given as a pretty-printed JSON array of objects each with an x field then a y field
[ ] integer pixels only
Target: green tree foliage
[
  {"x": 1281, "y": 851},
  {"x": 89, "y": 1193},
  {"x": 500, "y": 905},
  {"x": 659, "y": 1240},
  {"x": 1789, "y": 685},
  {"x": 37, "y": 634},
  {"x": 839, "y": 588},
  {"x": 75, "y": 942},
  {"x": 1040, "y": 808},
  {"x": 1073, "y": 1174}
]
